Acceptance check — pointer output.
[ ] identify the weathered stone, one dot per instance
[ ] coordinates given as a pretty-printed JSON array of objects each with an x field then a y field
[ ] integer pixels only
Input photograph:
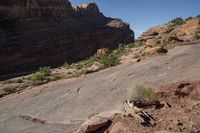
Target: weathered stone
[
  {"x": 35, "y": 33},
  {"x": 160, "y": 29},
  {"x": 93, "y": 124},
  {"x": 118, "y": 128},
  {"x": 102, "y": 52},
  {"x": 187, "y": 31},
  {"x": 169, "y": 39},
  {"x": 151, "y": 51},
  {"x": 151, "y": 42}
]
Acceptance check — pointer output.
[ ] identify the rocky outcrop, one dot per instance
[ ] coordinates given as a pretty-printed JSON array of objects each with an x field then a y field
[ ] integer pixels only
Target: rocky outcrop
[
  {"x": 34, "y": 33},
  {"x": 168, "y": 33}
]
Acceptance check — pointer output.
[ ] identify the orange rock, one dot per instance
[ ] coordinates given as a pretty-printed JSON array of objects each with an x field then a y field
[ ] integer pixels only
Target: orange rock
[
  {"x": 151, "y": 51},
  {"x": 102, "y": 52},
  {"x": 190, "y": 27},
  {"x": 151, "y": 42}
]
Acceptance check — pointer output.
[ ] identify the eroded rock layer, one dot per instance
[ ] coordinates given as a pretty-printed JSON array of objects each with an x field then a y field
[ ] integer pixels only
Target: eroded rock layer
[{"x": 50, "y": 32}]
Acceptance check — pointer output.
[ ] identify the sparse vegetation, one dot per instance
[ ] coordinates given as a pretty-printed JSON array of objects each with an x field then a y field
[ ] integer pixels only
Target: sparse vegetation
[
  {"x": 189, "y": 18},
  {"x": 197, "y": 34},
  {"x": 138, "y": 44},
  {"x": 66, "y": 65},
  {"x": 41, "y": 76},
  {"x": 108, "y": 61},
  {"x": 198, "y": 16},
  {"x": 137, "y": 56},
  {"x": 13, "y": 81},
  {"x": 10, "y": 89},
  {"x": 141, "y": 92},
  {"x": 177, "y": 21}
]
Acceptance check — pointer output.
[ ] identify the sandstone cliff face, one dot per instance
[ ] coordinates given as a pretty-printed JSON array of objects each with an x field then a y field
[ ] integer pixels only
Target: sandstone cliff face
[{"x": 50, "y": 32}]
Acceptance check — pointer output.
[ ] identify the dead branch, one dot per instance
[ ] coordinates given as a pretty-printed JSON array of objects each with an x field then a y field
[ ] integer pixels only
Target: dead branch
[{"x": 141, "y": 116}]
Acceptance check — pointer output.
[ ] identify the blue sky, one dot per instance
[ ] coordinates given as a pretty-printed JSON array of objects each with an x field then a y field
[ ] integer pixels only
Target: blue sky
[{"x": 143, "y": 14}]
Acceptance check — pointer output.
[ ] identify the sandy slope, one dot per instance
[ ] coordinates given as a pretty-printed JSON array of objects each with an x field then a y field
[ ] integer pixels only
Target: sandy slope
[{"x": 64, "y": 104}]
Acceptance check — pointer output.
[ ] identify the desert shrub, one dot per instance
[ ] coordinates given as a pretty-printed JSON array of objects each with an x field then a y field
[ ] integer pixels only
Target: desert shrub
[
  {"x": 138, "y": 44},
  {"x": 108, "y": 61},
  {"x": 66, "y": 65},
  {"x": 198, "y": 16},
  {"x": 40, "y": 76},
  {"x": 177, "y": 21},
  {"x": 10, "y": 89},
  {"x": 13, "y": 81},
  {"x": 141, "y": 92},
  {"x": 55, "y": 78},
  {"x": 137, "y": 56},
  {"x": 45, "y": 70},
  {"x": 197, "y": 34},
  {"x": 189, "y": 18},
  {"x": 122, "y": 50}
]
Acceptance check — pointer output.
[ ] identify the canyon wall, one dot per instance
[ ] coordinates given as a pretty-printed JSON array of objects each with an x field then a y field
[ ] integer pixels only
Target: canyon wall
[{"x": 35, "y": 33}]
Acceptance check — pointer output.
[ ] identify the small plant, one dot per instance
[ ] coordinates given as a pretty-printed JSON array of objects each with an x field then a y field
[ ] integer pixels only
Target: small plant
[
  {"x": 66, "y": 65},
  {"x": 55, "y": 78},
  {"x": 138, "y": 44},
  {"x": 41, "y": 76},
  {"x": 9, "y": 90},
  {"x": 198, "y": 16},
  {"x": 177, "y": 21},
  {"x": 45, "y": 70},
  {"x": 108, "y": 61},
  {"x": 137, "y": 56},
  {"x": 189, "y": 18},
  {"x": 141, "y": 92},
  {"x": 197, "y": 34},
  {"x": 13, "y": 81}
]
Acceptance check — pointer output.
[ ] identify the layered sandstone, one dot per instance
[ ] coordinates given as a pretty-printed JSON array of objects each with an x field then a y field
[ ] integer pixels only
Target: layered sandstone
[
  {"x": 34, "y": 33},
  {"x": 166, "y": 33}
]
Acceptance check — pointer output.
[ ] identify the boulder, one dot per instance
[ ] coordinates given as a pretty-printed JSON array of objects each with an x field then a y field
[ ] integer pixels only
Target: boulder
[
  {"x": 118, "y": 128},
  {"x": 169, "y": 38},
  {"x": 93, "y": 124},
  {"x": 154, "y": 50},
  {"x": 151, "y": 42},
  {"x": 187, "y": 31},
  {"x": 160, "y": 29}
]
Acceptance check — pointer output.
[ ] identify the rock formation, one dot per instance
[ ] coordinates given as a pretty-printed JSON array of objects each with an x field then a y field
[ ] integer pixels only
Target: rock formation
[
  {"x": 34, "y": 33},
  {"x": 168, "y": 33}
]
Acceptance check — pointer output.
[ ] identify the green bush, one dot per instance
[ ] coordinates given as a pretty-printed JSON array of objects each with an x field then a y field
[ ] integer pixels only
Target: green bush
[
  {"x": 138, "y": 44},
  {"x": 66, "y": 65},
  {"x": 13, "y": 81},
  {"x": 189, "y": 18},
  {"x": 41, "y": 76},
  {"x": 197, "y": 34},
  {"x": 141, "y": 92},
  {"x": 137, "y": 56},
  {"x": 108, "y": 61},
  {"x": 177, "y": 21},
  {"x": 198, "y": 16},
  {"x": 45, "y": 70}
]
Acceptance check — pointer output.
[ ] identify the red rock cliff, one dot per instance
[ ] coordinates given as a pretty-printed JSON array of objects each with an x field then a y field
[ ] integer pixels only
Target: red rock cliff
[{"x": 50, "y": 32}]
